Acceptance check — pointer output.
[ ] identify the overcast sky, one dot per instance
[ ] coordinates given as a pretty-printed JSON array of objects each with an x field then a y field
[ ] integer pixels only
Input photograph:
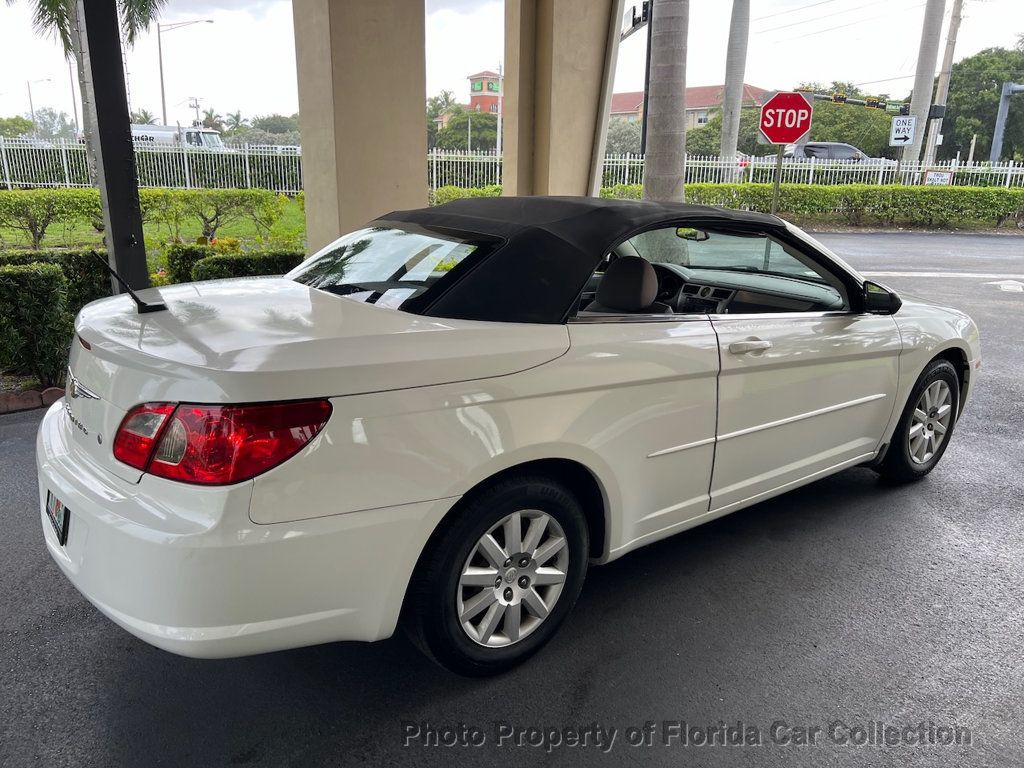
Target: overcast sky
[{"x": 245, "y": 60}]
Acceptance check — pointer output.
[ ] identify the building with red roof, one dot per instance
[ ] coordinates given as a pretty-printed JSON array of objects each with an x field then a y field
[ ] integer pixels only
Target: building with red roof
[{"x": 701, "y": 102}]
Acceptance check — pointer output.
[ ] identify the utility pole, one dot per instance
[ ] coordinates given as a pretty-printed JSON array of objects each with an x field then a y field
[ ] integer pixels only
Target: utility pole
[
  {"x": 193, "y": 103},
  {"x": 942, "y": 89},
  {"x": 469, "y": 133},
  {"x": 927, "y": 57},
  {"x": 74, "y": 99},
  {"x": 647, "y": 77},
  {"x": 1008, "y": 90},
  {"x": 501, "y": 92}
]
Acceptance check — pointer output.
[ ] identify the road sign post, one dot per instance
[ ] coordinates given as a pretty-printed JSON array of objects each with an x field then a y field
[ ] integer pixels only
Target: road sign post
[
  {"x": 901, "y": 133},
  {"x": 785, "y": 119}
]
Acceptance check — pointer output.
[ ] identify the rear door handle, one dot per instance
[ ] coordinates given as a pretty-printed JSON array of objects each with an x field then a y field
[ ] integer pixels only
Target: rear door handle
[{"x": 750, "y": 345}]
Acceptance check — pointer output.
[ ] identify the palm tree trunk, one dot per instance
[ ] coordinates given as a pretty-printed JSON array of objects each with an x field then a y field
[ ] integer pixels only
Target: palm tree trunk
[
  {"x": 664, "y": 163},
  {"x": 735, "y": 65},
  {"x": 927, "y": 58}
]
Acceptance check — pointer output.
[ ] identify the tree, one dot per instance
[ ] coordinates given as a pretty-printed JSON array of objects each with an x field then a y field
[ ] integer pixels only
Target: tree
[
  {"x": 707, "y": 139},
  {"x": 13, "y": 127},
  {"x": 235, "y": 121},
  {"x": 277, "y": 123},
  {"x": 143, "y": 117},
  {"x": 623, "y": 136},
  {"x": 51, "y": 124},
  {"x": 735, "y": 65},
  {"x": 53, "y": 18},
  {"x": 974, "y": 87},
  {"x": 666, "y": 103},
  {"x": 483, "y": 126},
  {"x": 212, "y": 120},
  {"x": 437, "y": 106}
]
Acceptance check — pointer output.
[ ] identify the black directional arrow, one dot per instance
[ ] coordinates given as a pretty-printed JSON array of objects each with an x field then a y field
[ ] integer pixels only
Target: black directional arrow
[{"x": 903, "y": 138}]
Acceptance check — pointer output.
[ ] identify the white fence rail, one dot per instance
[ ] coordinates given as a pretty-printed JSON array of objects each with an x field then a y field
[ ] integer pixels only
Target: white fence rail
[{"x": 29, "y": 163}]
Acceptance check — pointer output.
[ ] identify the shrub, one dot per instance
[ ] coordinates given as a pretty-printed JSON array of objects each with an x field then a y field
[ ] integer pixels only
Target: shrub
[
  {"x": 252, "y": 264},
  {"x": 213, "y": 208},
  {"x": 35, "y": 326},
  {"x": 83, "y": 270},
  {"x": 33, "y": 211},
  {"x": 447, "y": 194},
  {"x": 857, "y": 203},
  {"x": 181, "y": 258}
]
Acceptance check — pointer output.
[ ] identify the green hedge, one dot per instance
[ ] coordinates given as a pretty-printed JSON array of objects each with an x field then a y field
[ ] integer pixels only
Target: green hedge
[
  {"x": 252, "y": 264},
  {"x": 443, "y": 195},
  {"x": 35, "y": 325},
  {"x": 86, "y": 278},
  {"x": 34, "y": 211},
  {"x": 860, "y": 203},
  {"x": 182, "y": 257}
]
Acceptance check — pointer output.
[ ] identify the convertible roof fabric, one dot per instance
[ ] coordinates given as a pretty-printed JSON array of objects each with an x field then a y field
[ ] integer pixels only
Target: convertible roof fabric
[
  {"x": 586, "y": 223},
  {"x": 550, "y": 246}
]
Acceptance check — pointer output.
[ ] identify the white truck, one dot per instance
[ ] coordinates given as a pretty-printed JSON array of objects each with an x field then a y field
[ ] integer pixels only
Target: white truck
[{"x": 163, "y": 135}]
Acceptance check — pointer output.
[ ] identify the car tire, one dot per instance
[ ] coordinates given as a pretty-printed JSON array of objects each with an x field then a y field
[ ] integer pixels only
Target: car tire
[
  {"x": 468, "y": 627},
  {"x": 925, "y": 428}
]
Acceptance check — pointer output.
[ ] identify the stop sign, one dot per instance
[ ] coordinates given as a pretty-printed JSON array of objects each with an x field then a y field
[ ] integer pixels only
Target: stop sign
[{"x": 786, "y": 117}]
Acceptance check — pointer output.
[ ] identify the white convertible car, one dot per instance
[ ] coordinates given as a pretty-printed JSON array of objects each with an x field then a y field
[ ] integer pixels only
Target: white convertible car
[{"x": 441, "y": 419}]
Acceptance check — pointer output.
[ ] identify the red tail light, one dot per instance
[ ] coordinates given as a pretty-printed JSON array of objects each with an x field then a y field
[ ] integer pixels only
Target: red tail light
[{"x": 216, "y": 444}]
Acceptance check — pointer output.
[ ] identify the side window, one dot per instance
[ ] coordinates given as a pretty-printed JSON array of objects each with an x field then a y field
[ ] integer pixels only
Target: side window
[
  {"x": 815, "y": 150},
  {"x": 752, "y": 265},
  {"x": 843, "y": 152}
]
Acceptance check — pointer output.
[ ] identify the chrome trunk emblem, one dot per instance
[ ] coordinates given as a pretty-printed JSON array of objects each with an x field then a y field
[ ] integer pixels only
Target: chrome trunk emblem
[{"x": 76, "y": 389}]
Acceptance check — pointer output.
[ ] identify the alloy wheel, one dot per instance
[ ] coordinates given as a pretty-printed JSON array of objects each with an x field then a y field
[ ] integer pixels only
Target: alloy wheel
[
  {"x": 512, "y": 578},
  {"x": 930, "y": 421}
]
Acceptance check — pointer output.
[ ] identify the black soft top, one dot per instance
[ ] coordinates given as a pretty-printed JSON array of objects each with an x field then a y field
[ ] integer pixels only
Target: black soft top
[{"x": 550, "y": 246}]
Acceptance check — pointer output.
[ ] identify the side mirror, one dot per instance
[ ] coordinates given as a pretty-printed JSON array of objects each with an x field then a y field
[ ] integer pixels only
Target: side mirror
[{"x": 879, "y": 300}]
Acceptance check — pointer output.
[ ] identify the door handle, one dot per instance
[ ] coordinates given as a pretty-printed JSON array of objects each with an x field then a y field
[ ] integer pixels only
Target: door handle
[{"x": 750, "y": 345}]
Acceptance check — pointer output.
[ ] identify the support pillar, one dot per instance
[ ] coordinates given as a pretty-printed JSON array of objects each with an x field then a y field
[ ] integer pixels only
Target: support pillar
[
  {"x": 560, "y": 65},
  {"x": 362, "y": 88}
]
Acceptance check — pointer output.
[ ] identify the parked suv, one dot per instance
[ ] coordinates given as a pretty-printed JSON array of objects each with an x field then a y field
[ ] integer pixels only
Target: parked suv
[{"x": 831, "y": 150}]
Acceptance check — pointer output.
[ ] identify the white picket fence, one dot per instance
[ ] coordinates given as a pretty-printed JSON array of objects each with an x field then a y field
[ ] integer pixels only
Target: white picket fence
[{"x": 29, "y": 163}]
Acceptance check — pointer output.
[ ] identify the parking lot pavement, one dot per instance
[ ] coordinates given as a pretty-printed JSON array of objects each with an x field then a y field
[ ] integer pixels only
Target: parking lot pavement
[{"x": 845, "y": 601}]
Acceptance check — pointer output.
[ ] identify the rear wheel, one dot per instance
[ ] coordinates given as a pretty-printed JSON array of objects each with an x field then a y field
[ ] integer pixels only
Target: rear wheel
[
  {"x": 925, "y": 426},
  {"x": 495, "y": 584}
]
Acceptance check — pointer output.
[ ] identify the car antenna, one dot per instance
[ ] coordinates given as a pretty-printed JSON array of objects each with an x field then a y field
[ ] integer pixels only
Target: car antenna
[{"x": 142, "y": 306}]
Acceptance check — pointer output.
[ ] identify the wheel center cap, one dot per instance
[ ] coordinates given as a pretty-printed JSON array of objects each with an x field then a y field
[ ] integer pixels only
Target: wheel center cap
[{"x": 510, "y": 575}]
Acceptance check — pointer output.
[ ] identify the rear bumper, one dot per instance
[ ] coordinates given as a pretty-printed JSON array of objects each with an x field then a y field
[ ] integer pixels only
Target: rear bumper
[{"x": 185, "y": 569}]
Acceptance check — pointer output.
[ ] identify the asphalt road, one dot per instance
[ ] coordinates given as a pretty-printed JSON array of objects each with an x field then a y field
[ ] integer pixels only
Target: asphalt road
[{"x": 842, "y": 601}]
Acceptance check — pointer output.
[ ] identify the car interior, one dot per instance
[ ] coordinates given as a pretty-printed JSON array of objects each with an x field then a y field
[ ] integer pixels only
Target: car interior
[{"x": 680, "y": 270}]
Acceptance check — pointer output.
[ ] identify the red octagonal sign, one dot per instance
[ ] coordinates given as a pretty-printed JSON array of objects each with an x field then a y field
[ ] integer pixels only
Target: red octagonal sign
[{"x": 786, "y": 117}]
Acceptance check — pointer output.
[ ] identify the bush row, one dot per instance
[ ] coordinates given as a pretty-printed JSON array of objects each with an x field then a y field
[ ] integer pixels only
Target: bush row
[
  {"x": 35, "y": 325},
  {"x": 187, "y": 262},
  {"x": 84, "y": 274},
  {"x": 860, "y": 203},
  {"x": 34, "y": 211}
]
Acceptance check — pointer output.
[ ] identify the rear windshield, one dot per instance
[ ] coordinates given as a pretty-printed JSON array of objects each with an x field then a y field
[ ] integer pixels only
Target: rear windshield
[{"x": 392, "y": 266}]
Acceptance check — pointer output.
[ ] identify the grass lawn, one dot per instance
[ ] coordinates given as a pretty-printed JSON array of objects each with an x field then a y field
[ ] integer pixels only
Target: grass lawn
[{"x": 289, "y": 231}]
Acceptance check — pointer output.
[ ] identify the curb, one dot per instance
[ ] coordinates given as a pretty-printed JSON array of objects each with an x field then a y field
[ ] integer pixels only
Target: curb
[{"x": 12, "y": 402}]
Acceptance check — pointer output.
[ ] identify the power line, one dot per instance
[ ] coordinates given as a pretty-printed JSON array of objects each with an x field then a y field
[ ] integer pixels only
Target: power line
[
  {"x": 848, "y": 24},
  {"x": 793, "y": 10},
  {"x": 819, "y": 18}
]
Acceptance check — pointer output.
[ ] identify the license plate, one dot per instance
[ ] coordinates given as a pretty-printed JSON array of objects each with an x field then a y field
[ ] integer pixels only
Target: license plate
[{"x": 59, "y": 515}]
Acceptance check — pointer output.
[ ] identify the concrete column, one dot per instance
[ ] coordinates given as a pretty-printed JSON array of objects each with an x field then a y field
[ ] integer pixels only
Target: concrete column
[
  {"x": 362, "y": 86},
  {"x": 560, "y": 64}
]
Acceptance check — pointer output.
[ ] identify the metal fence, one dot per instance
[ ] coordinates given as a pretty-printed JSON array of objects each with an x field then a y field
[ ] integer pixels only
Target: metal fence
[
  {"x": 629, "y": 169},
  {"x": 30, "y": 163}
]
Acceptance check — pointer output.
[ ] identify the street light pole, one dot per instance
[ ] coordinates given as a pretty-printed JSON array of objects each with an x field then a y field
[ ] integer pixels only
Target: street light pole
[
  {"x": 31, "y": 105},
  {"x": 160, "y": 54}
]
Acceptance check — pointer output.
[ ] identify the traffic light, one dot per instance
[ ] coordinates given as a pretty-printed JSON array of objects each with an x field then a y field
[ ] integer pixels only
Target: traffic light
[
  {"x": 904, "y": 109},
  {"x": 839, "y": 98},
  {"x": 872, "y": 102}
]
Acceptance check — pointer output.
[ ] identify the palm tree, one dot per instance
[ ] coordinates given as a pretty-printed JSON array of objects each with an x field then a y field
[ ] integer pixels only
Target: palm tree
[
  {"x": 666, "y": 102},
  {"x": 735, "y": 64},
  {"x": 53, "y": 18},
  {"x": 235, "y": 121},
  {"x": 212, "y": 120},
  {"x": 143, "y": 117}
]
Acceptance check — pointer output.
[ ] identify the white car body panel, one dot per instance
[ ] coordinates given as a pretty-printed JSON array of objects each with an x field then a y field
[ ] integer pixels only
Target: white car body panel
[{"x": 673, "y": 427}]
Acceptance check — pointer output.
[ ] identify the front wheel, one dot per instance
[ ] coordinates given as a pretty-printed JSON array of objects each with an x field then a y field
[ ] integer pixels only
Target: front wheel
[
  {"x": 499, "y": 578},
  {"x": 926, "y": 425}
]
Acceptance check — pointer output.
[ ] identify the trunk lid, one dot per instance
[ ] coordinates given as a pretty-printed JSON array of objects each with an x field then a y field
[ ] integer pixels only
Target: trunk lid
[{"x": 261, "y": 339}]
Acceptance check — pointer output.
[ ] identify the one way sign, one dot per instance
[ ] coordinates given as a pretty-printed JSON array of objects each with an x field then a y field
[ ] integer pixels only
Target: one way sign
[{"x": 901, "y": 132}]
